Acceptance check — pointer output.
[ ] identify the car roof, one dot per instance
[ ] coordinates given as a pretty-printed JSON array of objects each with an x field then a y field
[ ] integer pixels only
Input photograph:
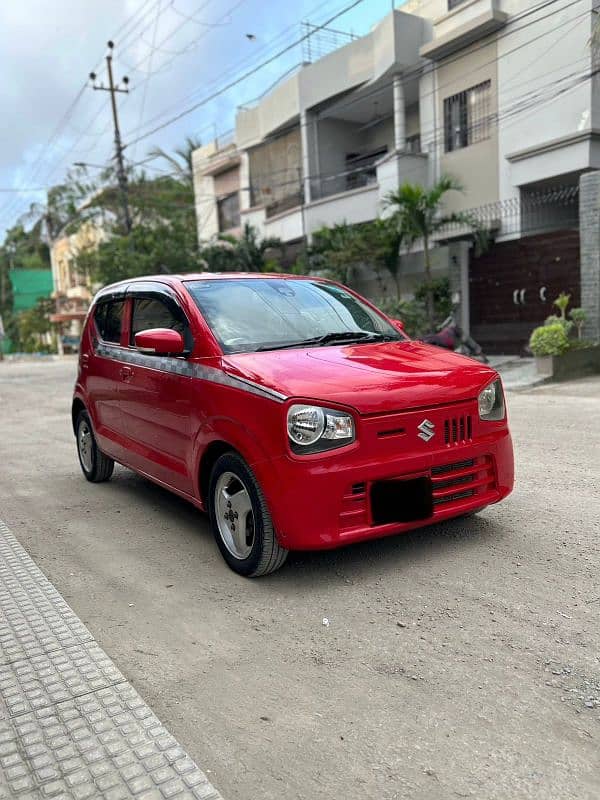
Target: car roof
[{"x": 184, "y": 277}]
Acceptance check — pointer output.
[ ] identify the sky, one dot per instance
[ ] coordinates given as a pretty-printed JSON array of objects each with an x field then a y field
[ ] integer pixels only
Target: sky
[{"x": 176, "y": 53}]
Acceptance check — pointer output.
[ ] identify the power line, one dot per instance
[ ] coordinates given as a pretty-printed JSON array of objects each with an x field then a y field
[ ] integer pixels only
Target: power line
[
  {"x": 7, "y": 209},
  {"x": 381, "y": 88},
  {"x": 246, "y": 75},
  {"x": 520, "y": 104},
  {"x": 146, "y": 81},
  {"x": 114, "y": 90},
  {"x": 349, "y": 102},
  {"x": 191, "y": 95},
  {"x": 377, "y": 90}
]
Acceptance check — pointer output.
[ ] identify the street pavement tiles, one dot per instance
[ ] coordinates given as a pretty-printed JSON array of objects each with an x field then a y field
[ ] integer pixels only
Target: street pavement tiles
[{"x": 71, "y": 726}]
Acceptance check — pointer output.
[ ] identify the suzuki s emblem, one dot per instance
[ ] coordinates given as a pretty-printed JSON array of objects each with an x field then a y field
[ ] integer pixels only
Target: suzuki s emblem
[{"x": 427, "y": 430}]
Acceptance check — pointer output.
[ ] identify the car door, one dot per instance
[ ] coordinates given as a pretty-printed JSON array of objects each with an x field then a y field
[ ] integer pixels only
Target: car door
[
  {"x": 103, "y": 366},
  {"x": 155, "y": 394}
]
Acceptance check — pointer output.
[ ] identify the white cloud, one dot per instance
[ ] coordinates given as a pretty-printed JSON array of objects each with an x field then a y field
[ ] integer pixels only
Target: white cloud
[{"x": 48, "y": 49}]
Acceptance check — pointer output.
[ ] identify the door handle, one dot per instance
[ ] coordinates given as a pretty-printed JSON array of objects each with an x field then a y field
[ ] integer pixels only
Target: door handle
[
  {"x": 125, "y": 373},
  {"x": 85, "y": 360}
]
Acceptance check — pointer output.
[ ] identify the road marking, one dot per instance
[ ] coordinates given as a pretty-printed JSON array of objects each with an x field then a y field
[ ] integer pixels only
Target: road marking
[{"x": 71, "y": 725}]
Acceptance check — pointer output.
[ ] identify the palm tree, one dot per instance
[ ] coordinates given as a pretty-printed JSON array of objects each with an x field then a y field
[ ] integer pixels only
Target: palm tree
[
  {"x": 251, "y": 252},
  {"x": 180, "y": 159},
  {"x": 417, "y": 212}
]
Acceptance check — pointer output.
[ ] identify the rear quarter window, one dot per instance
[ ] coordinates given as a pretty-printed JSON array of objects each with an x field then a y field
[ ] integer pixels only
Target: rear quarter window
[{"x": 108, "y": 317}]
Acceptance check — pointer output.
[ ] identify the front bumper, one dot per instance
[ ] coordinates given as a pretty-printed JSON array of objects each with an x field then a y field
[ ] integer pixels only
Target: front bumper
[{"x": 326, "y": 502}]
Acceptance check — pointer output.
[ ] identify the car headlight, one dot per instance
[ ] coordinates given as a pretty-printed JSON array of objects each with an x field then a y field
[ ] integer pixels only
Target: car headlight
[
  {"x": 312, "y": 429},
  {"x": 491, "y": 401}
]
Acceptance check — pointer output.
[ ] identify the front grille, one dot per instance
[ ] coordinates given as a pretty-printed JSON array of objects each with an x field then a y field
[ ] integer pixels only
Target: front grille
[
  {"x": 458, "y": 429},
  {"x": 448, "y": 487},
  {"x": 462, "y": 479},
  {"x": 452, "y": 467}
]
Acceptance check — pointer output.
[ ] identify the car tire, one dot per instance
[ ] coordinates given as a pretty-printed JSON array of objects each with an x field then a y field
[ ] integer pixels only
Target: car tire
[
  {"x": 96, "y": 466},
  {"x": 240, "y": 519}
]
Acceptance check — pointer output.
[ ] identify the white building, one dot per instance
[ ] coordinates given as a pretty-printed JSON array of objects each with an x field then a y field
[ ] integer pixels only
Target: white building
[{"x": 500, "y": 94}]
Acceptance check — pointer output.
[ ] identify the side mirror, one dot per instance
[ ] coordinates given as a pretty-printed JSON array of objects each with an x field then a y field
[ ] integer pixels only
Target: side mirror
[
  {"x": 397, "y": 323},
  {"x": 160, "y": 342}
]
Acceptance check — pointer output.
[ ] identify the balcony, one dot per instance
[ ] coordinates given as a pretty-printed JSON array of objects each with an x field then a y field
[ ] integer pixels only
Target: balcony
[
  {"x": 352, "y": 207},
  {"x": 466, "y": 22}
]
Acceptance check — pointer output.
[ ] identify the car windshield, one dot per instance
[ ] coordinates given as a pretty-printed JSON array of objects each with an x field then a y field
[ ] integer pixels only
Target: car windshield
[{"x": 248, "y": 314}]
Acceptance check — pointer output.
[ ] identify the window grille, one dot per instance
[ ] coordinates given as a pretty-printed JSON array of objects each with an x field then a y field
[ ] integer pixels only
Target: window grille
[{"x": 467, "y": 117}]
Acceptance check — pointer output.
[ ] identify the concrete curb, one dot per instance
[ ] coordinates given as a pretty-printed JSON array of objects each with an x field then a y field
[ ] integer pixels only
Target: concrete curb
[{"x": 71, "y": 725}]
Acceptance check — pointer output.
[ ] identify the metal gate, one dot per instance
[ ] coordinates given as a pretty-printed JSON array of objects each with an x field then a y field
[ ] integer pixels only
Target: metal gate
[{"x": 513, "y": 285}]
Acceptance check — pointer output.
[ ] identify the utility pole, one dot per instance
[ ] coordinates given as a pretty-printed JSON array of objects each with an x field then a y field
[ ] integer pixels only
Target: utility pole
[{"x": 121, "y": 174}]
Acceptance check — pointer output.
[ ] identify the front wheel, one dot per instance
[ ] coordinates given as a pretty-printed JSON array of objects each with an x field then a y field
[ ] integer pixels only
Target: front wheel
[
  {"x": 240, "y": 519},
  {"x": 94, "y": 464}
]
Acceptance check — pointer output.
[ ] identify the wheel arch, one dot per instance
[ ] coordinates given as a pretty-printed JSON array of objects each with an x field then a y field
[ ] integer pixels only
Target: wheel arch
[
  {"x": 77, "y": 406},
  {"x": 223, "y": 434},
  {"x": 209, "y": 458}
]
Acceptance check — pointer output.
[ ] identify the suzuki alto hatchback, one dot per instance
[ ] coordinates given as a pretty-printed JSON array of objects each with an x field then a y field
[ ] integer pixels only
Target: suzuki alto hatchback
[{"x": 292, "y": 410}]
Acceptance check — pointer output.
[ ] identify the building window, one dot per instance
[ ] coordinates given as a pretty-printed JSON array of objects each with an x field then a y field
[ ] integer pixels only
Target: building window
[
  {"x": 228, "y": 209},
  {"x": 452, "y": 4},
  {"x": 467, "y": 117}
]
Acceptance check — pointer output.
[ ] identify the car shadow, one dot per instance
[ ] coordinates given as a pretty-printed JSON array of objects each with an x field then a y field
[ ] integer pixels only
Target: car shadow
[
  {"x": 391, "y": 554},
  {"x": 356, "y": 561}
]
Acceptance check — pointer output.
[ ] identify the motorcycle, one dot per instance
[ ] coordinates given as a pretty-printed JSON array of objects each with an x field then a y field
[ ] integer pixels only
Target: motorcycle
[{"x": 451, "y": 336}]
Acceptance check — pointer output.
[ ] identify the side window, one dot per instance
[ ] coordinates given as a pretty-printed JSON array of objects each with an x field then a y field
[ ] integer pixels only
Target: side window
[
  {"x": 152, "y": 313},
  {"x": 108, "y": 318}
]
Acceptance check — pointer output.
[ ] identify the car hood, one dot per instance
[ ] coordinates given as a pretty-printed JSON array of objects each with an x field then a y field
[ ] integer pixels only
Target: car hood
[{"x": 372, "y": 378}]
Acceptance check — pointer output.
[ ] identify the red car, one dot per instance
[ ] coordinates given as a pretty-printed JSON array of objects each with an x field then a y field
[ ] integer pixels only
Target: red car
[{"x": 289, "y": 408}]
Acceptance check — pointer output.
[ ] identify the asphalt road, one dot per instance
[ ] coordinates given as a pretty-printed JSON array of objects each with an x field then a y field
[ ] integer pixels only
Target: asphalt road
[{"x": 460, "y": 661}]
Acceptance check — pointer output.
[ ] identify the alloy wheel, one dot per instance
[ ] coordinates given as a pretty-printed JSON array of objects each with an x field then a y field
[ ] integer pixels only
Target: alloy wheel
[
  {"x": 85, "y": 443},
  {"x": 234, "y": 515}
]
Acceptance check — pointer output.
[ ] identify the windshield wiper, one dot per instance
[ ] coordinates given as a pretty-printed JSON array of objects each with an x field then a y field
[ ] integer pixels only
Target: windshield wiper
[{"x": 331, "y": 338}]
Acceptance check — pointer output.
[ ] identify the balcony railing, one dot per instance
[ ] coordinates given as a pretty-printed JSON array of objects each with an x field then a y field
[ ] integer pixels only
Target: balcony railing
[
  {"x": 361, "y": 170},
  {"x": 535, "y": 211}
]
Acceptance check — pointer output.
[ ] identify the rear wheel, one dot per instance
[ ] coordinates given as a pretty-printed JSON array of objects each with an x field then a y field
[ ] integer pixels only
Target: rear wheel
[
  {"x": 240, "y": 519},
  {"x": 94, "y": 464}
]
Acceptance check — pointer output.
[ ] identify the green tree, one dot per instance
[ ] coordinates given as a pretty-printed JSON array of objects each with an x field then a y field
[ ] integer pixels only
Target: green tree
[
  {"x": 24, "y": 249},
  {"x": 67, "y": 205},
  {"x": 150, "y": 248},
  {"x": 341, "y": 247},
  {"x": 180, "y": 160},
  {"x": 418, "y": 215},
  {"x": 251, "y": 252},
  {"x": 32, "y": 326},
  {"x": 246, "y": 253}
]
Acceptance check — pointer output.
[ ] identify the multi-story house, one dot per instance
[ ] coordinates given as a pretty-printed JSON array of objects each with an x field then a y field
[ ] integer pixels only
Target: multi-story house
[
  {"x": 72, "y": 288},
  {"x": 500, "y": 94}
]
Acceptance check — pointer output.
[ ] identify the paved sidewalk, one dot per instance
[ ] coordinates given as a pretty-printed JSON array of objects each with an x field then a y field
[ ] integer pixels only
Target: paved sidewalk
[
  {"x": 517, "y": 373},
  {"x": 71, "y": 725}
]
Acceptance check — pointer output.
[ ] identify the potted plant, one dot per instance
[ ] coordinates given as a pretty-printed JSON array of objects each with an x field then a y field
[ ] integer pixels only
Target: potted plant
[{"x": 559, "y": 355}]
